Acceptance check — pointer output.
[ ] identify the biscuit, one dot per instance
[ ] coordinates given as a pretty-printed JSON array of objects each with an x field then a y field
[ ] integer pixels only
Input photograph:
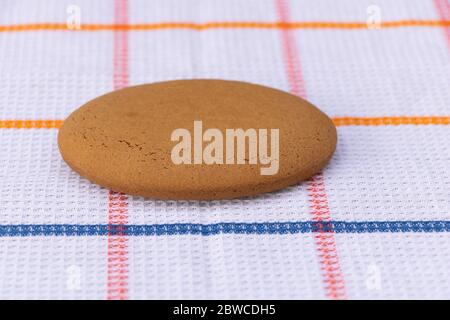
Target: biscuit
[{"x": 127, "y": 140}]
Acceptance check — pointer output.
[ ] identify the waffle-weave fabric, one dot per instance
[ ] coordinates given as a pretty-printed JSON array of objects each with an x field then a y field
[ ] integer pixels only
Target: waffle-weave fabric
[{"x": 374, "y": 224}]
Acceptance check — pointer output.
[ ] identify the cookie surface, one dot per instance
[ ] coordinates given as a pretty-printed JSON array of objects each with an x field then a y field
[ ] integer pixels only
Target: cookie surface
[{"x": 127, "y": 140}]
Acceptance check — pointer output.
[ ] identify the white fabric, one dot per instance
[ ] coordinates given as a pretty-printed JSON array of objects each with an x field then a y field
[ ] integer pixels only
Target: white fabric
[{"x": 379, "y": 173}]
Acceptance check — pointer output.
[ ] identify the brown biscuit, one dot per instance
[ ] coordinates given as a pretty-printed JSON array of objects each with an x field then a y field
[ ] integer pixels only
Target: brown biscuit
[{"x": 122, "y": 140}]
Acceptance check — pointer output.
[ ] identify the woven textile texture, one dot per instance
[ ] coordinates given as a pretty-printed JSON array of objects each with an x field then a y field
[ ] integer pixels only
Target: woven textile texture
[{"x": 374, "y": 224}]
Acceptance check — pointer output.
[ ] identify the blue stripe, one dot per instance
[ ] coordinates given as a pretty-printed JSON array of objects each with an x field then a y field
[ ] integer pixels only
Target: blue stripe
[{"x": 23, "y": 230}]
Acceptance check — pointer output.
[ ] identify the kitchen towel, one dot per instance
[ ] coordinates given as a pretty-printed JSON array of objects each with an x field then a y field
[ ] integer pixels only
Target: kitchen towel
[{"x": 375, "y": 223}]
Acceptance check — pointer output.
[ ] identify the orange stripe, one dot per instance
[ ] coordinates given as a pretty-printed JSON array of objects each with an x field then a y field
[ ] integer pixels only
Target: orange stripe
[
  {"x": 338, "y": 121},
  {"x": 30, "y": 124},
  {"x": 390, "y": 121},
  {"x": 117, "y": 264},
  {"x": 222, "y": 25}
]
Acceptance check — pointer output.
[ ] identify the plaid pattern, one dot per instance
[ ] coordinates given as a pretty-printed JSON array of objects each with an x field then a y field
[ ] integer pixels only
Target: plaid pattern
[{"x": 374, "y": 224}]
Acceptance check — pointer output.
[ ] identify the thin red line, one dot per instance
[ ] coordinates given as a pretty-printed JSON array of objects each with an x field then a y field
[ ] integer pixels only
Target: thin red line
[
  {"x": 117, "y": 277},
  {"x": 325, "y": 241},
  {"x": 443, "y": 9},
  {"x": 313, "y": 25},
  {"x": 338, "y": 121},
  {"x": 290, "y": 52}
]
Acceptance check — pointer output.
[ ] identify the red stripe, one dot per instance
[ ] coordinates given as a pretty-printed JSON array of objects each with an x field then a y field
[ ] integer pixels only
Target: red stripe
[
  {"x": 443, "y": 9},
  {"x": 325, "y": 241},
  {"x": 291, "y": 55},
  {"x": 117, "y": 278}
]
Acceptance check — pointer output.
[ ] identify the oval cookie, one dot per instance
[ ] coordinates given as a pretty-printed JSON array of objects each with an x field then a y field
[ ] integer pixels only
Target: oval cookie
[{"x": 197, "y": 139}]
